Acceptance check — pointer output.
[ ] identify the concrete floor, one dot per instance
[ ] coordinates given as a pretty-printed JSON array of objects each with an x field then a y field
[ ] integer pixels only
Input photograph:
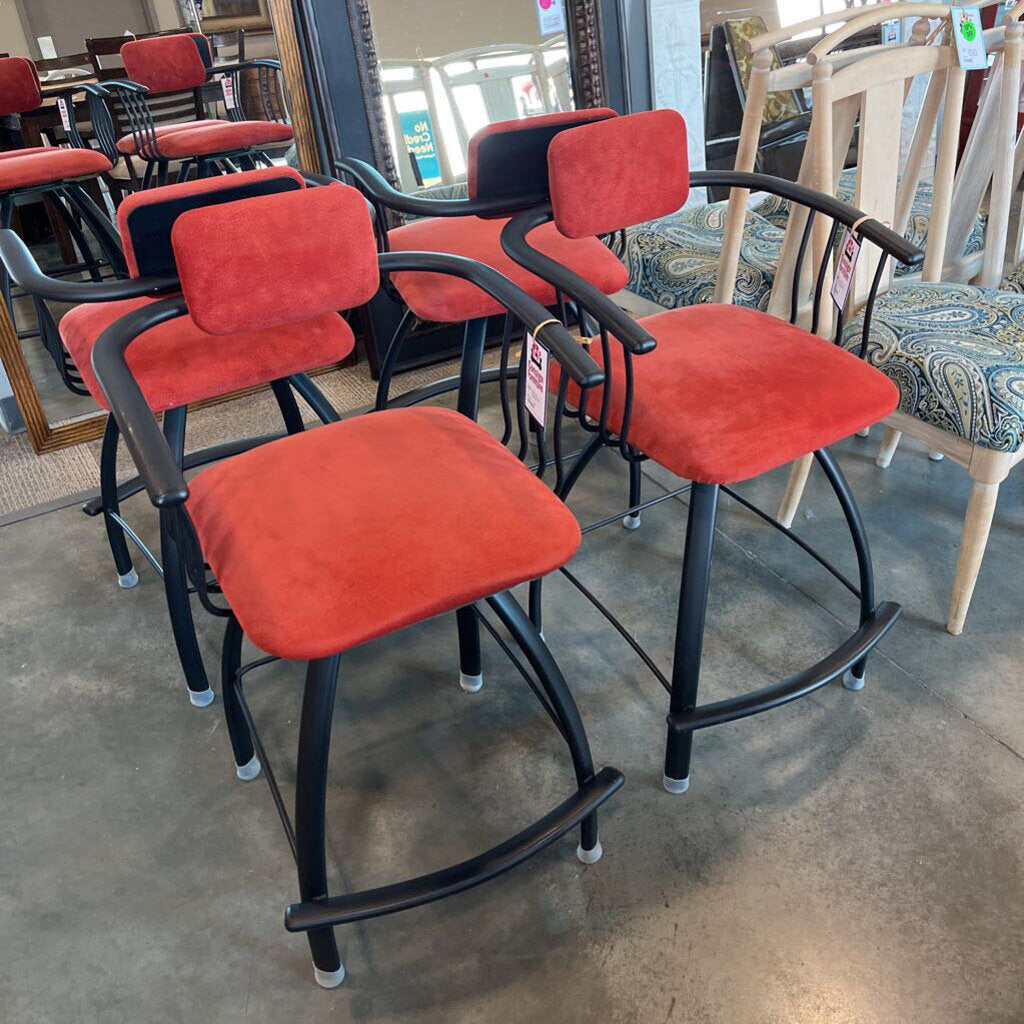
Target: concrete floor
[{"x": 849, "y": 858}]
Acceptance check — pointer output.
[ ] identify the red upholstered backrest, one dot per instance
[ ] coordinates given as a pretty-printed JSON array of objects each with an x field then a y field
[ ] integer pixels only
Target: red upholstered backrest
[
  {"x": 145, "y": 218},
  {"x": 617, "y": 173},
  {"x": 509, "y": 158},
  {"x": 164, "y": 63},
  {"x": 277, "y": 259},
  {"x": 19, "y": 86}
]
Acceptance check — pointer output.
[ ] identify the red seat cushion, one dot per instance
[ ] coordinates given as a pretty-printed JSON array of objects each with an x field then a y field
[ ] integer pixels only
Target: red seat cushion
[
  {"x": 127, "y": 143},
  {"x": 451, "y": 300},
  {"x": 730, "y": 393},
  {"x": 8, "y": 153},
  {"x": 324, "y": 540},
  {"x": 225, "y": 137},
  {"x": 49, "y": 165},
  {"x": 177, "y": 363}
]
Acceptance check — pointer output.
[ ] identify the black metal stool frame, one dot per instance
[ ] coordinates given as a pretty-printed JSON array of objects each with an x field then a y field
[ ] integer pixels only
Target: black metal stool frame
[{"x": 318, "y": 912}]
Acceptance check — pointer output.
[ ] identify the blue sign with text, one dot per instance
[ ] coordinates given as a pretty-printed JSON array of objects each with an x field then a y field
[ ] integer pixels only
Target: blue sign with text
[{"x": 419, "y": 141}]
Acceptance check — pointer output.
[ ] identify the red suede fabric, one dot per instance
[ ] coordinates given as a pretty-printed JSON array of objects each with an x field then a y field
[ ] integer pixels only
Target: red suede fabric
[
  {"x": 325, "y": 540},
  {"x": 177, "y": 363},
  {"x": 567, "y": 117},
  {"x": 617, "y": 173},
  {"x": 278, "y": 259},
  {"x": 730, "y": 393},
  {"x": 223, "y": 138},
  {"x": 446, "y": 299},
  {"x": 127, "y": 143},
  {"x": 164, "y": 63},
  {"x": 189, "y": 188},
  {"x": 49, "y": 165},
  {"x": 19, "y": 86},
  {"x": 8, "y": 153}
]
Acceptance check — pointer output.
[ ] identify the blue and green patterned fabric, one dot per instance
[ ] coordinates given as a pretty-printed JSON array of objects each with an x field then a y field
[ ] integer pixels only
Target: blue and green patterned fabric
[
  {"x": 956, "y": 353},
  {"x": 1014, "y": 282},
  {"x": 674, "y": 261}
]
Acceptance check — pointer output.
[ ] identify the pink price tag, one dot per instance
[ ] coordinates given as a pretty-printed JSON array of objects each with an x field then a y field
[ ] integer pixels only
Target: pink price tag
[
  {"x": 227, "y": 87},
  {"x": 536, "y": 395},
  {"x": 848, "y": 253}
]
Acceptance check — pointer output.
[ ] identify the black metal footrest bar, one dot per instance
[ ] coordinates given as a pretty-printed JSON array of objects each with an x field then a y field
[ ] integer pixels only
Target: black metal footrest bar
[
  {"x": 389, "y": 899},
  {"x": 810, "y": 679},
  {"x": 446, "y": 384}
]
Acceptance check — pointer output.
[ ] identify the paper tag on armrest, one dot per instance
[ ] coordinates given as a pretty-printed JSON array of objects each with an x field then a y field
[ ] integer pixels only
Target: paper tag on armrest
[
  {"x": 65, "y": 114},
  {"x": 536, "y": 394},
  {"x": 848, "y": 253},
  {"x": 227, "y": 86},
  {"x": 970, "y": 43}
]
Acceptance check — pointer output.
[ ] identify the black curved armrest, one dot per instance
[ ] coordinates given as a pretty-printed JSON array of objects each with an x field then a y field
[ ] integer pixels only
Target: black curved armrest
[
  {"x": 157, "y": 466},
  {"x": 618, "y": 321},
  {"x": 71, "y": 89},
  {"x": 124, "y": 84},
  {"x": 885, "y": 238},
  {"x": 25, "y": 273},
  {"x": 374, "y": 185},
  {"x": 230, "y": 69},
  {"x": 574, "y": 359}
]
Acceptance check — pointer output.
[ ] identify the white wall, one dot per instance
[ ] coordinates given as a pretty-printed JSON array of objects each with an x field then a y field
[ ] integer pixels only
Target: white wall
[{"x": 12, "y": 35}]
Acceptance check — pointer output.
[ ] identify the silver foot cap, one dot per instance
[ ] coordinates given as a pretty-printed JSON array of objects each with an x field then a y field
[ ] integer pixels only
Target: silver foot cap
[
  {"x": 675, "y": 785},
  {"x": 248, "y": 771},
  {"x": 882, "y": 461},
  {"x": 589, "y": 856},
  {"x": 866, "y": 432},
  {"x": 128, "y": 580},
  {"x": 471, "y": 684},
  {"x": 936, "y": 456},
  {"x": 852, "y": 682},
  {"x": 631, "y": 522},
  {"x": 201, "y": 700},
  {"x": 329, "y": 979}
]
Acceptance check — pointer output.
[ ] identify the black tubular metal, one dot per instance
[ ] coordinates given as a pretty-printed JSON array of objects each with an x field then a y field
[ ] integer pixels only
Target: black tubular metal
[
  {"x": 522, "y": 416},
  {"x": 314, "y": 398},
  {"x": 557, "y": 430},
  {"x": 230, "y": 663},
  {"x": 99, "y": 224},
  {"x": 473, "y": 341},
  {"x": 288, "y": 406},
  {"x": 470, "y": 662},
  {"x": 616, "y": 517},
  {"x": 869, "y": 306},
  {"x": 310, "y": 800},
  {"x": 77, "y": 234},
  {"x": 442, "y": 387},
  {"x": 109, "y": 499},
  {"x": 794, "y": 302},
  {"x": 819, "y": 285},
  {"x": 689, "y": 640},
  {"x": 387, "y": 367},
  {"x": 506, "y": 408}
]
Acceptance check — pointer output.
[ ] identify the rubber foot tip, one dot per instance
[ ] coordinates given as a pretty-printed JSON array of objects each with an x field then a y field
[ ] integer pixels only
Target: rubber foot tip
[
  {"x": 329, "y": 979},
  {"x": 471, "y": 684},
  {"x": 852, "y": 682},
  {"x": 936, "y": 456},
  {"x": 589, "y": 856},
  {"x": 675, "y": 785},
  {"x": 882, "y": 461},
  {"x": 201, "y": 700},
  {"x": 248, "y": 771},
  {"x": 631, "y": 522},
  {"x": 866, "y": 432},
  {"x": 128, "y": 580}
]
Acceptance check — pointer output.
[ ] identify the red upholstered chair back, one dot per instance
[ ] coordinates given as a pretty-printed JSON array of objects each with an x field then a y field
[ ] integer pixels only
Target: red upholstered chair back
[
  {"x": 508, "y": 159},
  {"x": 278, "y": 259},
  {"x": 617, "y": 173},
  {"x": 145, "y": 219},
  {"x": 166, "y": 63},
  {"x": 19, "y": 86}
]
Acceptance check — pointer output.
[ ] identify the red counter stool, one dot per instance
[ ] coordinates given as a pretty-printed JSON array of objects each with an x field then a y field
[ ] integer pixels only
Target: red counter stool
[
  {"x": 507, "y": 172},
  {"x": 178, "y": 363},
  {"x": 326, "y": 540},
  {"x": 716, "y": 394},
  {"x": 56, "y": 173},
  {"x": 166, "y": 65}
]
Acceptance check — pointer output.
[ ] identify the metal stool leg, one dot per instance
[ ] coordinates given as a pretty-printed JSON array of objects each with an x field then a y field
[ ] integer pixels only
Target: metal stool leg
[
  {"x": 387, "y": 368},
  {"x": 632, "y": 520},
  {"x": 127, "y": 577},
  {"x": 288, "y": 406},
  {"x": 247, "y": 764},
  {"x": 471, "y": 677}
]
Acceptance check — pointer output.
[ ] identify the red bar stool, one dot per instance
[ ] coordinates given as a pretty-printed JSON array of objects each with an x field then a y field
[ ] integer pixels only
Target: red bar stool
[
  {"x": 325, "y": 540},
  {"x": 716, "y": 394},
  {"x": 178, "y": 363},
  {"x": 164, "y": 65}
]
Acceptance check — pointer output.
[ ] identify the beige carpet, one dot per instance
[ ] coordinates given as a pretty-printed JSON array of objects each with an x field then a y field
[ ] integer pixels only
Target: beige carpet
[{"x": 28, "y": 480}]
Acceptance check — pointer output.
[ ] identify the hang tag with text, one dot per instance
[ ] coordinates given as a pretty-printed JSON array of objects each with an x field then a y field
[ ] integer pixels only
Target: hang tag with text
[
  {"x": 536, "y": 395},
  {"x": 970, "y": 43},
  {"x": 848, "y": 253},
  {"x": 227, "y": 86},
  {"x": 65, "y": 114}
]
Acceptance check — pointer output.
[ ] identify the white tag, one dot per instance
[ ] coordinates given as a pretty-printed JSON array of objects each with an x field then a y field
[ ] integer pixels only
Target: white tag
[
  {"x": 227, "y": 87},
  {"x": 970, "y": 43},
  {"x": 65, "y": 116},
  {"x": 844, "y": 268},
  {"x": 536, "y": 397}
]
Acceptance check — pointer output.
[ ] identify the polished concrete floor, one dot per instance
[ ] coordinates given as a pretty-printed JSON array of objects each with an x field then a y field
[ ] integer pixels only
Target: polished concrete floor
[{"x": 850, "y": 858}]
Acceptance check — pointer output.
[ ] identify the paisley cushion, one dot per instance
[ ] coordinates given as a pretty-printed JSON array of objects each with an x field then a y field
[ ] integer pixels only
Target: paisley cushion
[
  {"x": 956, "y": 353},
  {"x": 674, "y": 261},
  {"x": 1014, "y": 282}
]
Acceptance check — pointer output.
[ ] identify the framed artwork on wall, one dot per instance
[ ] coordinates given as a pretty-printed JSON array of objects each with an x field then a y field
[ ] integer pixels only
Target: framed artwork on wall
[{"x": 221, "y": 15}]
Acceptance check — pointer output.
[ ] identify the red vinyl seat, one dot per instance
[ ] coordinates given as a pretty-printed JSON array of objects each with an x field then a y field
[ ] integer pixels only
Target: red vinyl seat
[
  {"x": 46, "y": 165},
  {"x": 127, "y": 144},
  {"x": 314, "y": 562},
  {"x": 176, "y": 363},
  {"x": 449, "y": 300},
  {"x": 730, "y": 393}
]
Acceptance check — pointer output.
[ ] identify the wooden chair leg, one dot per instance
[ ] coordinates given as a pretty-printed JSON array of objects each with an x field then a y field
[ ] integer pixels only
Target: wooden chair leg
[
  {"x": 980, "y": 508},
  {"x": 795, "y": 489},
  {"x": 890, "y": 440}
]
